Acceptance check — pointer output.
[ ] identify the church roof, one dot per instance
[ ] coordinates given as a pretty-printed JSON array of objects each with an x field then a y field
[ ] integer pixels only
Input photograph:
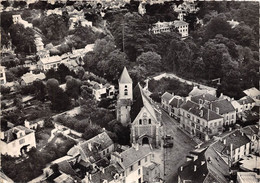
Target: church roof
[
  {"x": 141, "y": 100},
  {"x": 125, "y": 78}
]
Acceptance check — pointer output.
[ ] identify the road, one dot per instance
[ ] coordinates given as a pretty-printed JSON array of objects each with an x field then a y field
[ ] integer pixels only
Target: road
[{"x": 176, "y": 156}]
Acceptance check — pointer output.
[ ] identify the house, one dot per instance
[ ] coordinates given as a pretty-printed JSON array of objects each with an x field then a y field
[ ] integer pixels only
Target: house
[
  {"x": 141, "y": 9},
  {"x": 254, "y": 94},
  {"x": 204, "y": 98},
  {"x": 125, "y": 97},
  {"x": 138, "y": 164},
  {"x": 225, "y": 109},
  {"x": 245, "y": 177},
  {"x": 204, "y": 165},
  {"x": 199, "y": 91},
  {"x": 233, "y": 146},
  {"x": 17, "y": 141},
  {"x": 165, "y": 101},
  {"x": 182, "y": 27},
  {"x": 34, "y": 124},
  {"x": 175, "y": 105},
  {"x": 49, "y": 62},
  {"x": 101, "y": 91},
  {"x": 246, "y": 103},
  {"x": 2, "y": 75},
  {"x": 200, "y": 121},
  {"x": 94, "y": 149},
  {"x": 29, "y": 78},
  {"x": 253, "y": 133},
  {"x": 146, "y": 127}
]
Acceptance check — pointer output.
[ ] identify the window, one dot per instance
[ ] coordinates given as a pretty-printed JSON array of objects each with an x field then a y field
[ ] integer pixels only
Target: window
[
  {"x": 140, "y": 121},
  {"x": 145, "y": 159},
  {"x": 107, "y": 150},
  {"x": 139, "y": 163},
  {"x": 126, "y": 92},
  {"x": 227, "y": 117},
  {"x": 1, "y": 75},
  {"x": 150, "y": 121},
  {"x": 21, "y": 141},
  {"x": 198, "y": 121},
  {"x": 131, "y": 168},
  {"x": 139, "y": 172},
  {"x": 232, "y": 116},
  {"x": 215, "y": 124},
  {"x": 188, "y": 115},
  {"x": 125, "y": 86}
]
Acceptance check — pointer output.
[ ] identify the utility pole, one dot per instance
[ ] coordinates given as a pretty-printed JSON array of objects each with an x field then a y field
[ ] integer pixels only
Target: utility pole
[{"x": 123, "y": 33}]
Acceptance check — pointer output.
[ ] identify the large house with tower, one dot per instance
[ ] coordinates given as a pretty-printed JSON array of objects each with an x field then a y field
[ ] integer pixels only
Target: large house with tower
[{"x": 136, "y": 109}]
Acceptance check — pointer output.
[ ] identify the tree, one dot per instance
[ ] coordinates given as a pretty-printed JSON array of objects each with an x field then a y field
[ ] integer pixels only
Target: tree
[
  {"x": 64, "y": 71},
  {"x": 52, "y": 86},
  {"x": 40, "y": 90},
  {"x": 73, "y": 87},
  {"x": 150, "y": 60},
  {"x": 18, "y": 102},
  {"x": 4, "y": 90},
  {"x": 60, "y": 101}
]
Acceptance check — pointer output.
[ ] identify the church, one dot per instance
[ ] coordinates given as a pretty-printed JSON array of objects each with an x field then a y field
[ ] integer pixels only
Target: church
[{"x": 136, "y": 109}]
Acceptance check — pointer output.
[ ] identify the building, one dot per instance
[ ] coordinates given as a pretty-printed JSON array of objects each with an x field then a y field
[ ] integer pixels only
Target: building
[
  {"x": 17, "y": 19},
  {"x": 245, "y": 177},
  {"x": 182, "y": 27},
  {"x": 146, "y": 127},
  {"x": 2, "y": 75},
  {"x": 101, "y": 91},
  {"x": 141, "y": 9},
  {"x": 94, "y": 149},
  {"x": 138, "y": 164},
  {"x": 203, "y": 165},
  {"x": 165, "y": 101},
  {"x": 34, "y": 124},
  {"x": 17, "y": 141},
  {"x": 175, "y": 105},
  {"x": 253, "y": 133},
  {"x": 204, "y": 98},
  {"x": 233, "y": 146},
  {"x": 250, "y": 163},
  {"x": 254, "y": 94},
  {"x": 49, "y": 62},
  {"x": 246, "y": 103},
  {"x": 199, "y": 91},
  {"x": 200, "y": 121},
  {"x": 125, "y": 97},
  {"x": 29, "y": 78},
  {"x": 225, "y": 109}
]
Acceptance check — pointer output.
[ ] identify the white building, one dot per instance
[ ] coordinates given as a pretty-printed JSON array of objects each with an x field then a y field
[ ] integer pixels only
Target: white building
[
  {"x": 49, "y": 62},
  {"x": 101, "y": 91},
  {"x": 136, "y": 163},
  {"x": 2, "y": 75},
  {"x": 166, "y": 98},
  {"x": 16, "y": 141},
  {"x": 183, "y": 28},
  {"x": 254, "y": 94},
  {"x": 29, "y": 78}
]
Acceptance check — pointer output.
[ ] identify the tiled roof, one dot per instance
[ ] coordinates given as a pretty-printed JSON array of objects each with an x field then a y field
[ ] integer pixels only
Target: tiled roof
[
  {"x": 252, "y": 92},
  {"x": 132, "y": 155},
  {"x": 125, "y": 78},
  {"x": 64, "y": 178},
  {"x": 176, "y": 102},
  {"x": 52, "y": 59},
  {"x": 224, "y": 106},
  {"x": 178, "y": 23},
  {"x": 141, "y": 100},
  {"x": 167, "y": 96},
  {"x": 96, "y": 144},
  {"x": 250, "y": 130},
  {"x": 203, "y": 97},
  {"x": 245, "y": 100},
  {"x": 197, "y": 91},
  {"x": 29, "y": 77},
  {"x": 196, "y": 110}
]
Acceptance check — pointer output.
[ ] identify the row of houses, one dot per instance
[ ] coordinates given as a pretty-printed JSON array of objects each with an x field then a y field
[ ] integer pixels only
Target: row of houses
[
  {"x": 100, "y": 160},
  {"x": 203, "y": 114},
  {"x": 214, "y": 161}
]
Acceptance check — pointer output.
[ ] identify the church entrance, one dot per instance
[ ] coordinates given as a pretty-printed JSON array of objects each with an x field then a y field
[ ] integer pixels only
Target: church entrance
[{"x": 145, "y": 141}]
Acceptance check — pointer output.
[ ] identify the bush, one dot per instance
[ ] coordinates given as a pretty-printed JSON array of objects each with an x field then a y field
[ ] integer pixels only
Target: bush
[{"x": 5, "y": 90}]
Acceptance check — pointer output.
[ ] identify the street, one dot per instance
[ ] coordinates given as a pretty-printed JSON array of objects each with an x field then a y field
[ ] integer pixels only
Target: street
[{"x": 182, "y": 145}]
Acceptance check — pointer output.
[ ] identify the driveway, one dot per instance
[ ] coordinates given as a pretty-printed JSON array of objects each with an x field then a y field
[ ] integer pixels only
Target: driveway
[{"x": 174, "y": 157}]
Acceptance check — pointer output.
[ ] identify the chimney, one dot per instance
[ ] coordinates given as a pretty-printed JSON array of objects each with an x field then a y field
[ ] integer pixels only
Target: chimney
[
  {"x": 224, "y": 141},
  {"x": 90, "y": 146},
  {"x": 181, "y": 168},
  {"x": 231, "y": 153},
  {"x": 202, "y": 163},
  {"x": 102, "y": 169},
  {"x": 217, "y": 110},
  {"x": 230, "y": 129},
  {"x": 136, "y": 146},
  {"x": 201, "y": 113},
  {"x": 195, "y": 168}
]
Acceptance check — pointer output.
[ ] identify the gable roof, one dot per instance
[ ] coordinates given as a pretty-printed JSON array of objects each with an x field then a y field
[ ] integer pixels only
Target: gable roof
[
  {"x": 176, "y": 102},
  {"x": 224, "y": 106},
  {"x": 197, "y": 91},
  {"x": 51, "y": 59},
  {"x": 252, "y": 92},
  {"x": 167, "y": 96},
  {"x": 132, "y": 155},
  {"x": 30, "y": 77},
  {"x": 140, "y": 100},
  {"x": 195, "y": 109},
  {"x": 204, "y": 97},
  {"x": 125, "y": 78},
  {"x": 245, "y": 100}
]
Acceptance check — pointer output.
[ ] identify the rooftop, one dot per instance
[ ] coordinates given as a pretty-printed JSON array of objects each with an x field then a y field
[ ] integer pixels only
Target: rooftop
[
  {"x": 167, "y": 96},
  {"x": 197, "y": 91},
  {"x": 176, "y": 102},
  {"x": 245, "y": 100},
  {"x": 249, "y": 163},
  {"x": 11, "y": 134},
  {"x": 52, "y": 59},
  {"x": 203, "y": 97},
  {"x": 125, "y": 78},
  {"x": 224, "y": 106},
  {"x": 178, "y": 23},
  {"x": 30, "y": 77},
  {"x": 202, "y": 112},
  {"x": 252, "y": 92},
  {"x": 248, "y": 177}
]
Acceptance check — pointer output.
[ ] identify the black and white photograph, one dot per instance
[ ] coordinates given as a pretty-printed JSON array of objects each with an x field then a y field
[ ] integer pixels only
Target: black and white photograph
[{"x": 129, "y": 91}]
